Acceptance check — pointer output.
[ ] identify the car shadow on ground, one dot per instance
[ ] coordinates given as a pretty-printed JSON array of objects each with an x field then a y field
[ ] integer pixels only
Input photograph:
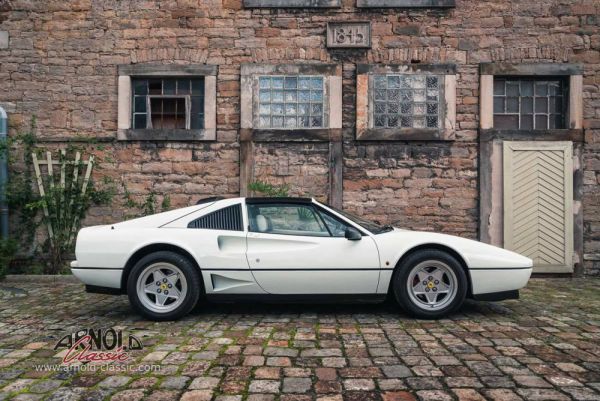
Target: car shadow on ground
[{"x": 388, "y": 307}]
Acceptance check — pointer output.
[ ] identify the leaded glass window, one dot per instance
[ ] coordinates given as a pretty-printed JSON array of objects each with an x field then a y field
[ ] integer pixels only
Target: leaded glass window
[
  {"x": 168, "y": 103},
  {"x": 289, "y": 102},
  {"x": 406, "y": 101},
  {"x": 529, "y": 103}
]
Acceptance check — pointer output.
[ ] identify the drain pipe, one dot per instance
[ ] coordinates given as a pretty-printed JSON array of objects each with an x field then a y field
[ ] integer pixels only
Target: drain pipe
[{"x": 3, "y": 175}]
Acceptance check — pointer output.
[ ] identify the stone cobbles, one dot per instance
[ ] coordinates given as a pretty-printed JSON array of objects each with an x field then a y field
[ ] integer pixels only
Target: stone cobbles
[{"x": 545, "y": 346}]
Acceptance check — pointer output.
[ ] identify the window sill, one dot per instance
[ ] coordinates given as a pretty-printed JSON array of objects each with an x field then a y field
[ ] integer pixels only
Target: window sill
[
  {"x": 404, "y": 134},
  {"x": 167, "y": 135},
  {"x": 406, "y": 3},
  {"x": 491, "y": 134},
  {"x": 294, "y": 135},
  {"x": 292, "y": 3}
]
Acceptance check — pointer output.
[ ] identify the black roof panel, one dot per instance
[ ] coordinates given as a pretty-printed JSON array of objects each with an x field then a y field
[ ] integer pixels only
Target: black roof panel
[{"x": 278, "y": 200}]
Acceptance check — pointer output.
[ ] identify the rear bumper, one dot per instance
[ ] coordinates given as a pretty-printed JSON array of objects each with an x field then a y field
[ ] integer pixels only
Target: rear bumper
[
  {"x": 498, "y": 280},
  {"x": 98, "y": 276}
]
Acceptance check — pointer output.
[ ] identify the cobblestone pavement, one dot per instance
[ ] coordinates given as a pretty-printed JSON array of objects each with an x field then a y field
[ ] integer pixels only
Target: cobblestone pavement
[{"x": 545, "y": 346}]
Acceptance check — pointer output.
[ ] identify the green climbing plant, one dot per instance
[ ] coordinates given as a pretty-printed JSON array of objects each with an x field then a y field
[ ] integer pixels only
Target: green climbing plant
[
  {"x": 147, "y": 205},
  {"x": 61, "y": 207},
  {"x": 267, "y": 189}
]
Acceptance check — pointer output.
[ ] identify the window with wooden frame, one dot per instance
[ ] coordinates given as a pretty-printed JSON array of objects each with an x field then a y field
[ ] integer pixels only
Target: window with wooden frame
[{"x": 167, "y": 102}]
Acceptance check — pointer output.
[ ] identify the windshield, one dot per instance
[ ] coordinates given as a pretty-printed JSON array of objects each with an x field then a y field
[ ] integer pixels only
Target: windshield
[{"x": 369, "y": 225}]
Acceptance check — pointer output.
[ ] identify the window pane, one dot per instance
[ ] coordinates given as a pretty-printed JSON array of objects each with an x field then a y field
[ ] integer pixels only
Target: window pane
[
  {"x": 526, "y": 105},
  {"x": 140, "y": 87},
  {"x": 556, "y": 121},
  {"x": 527, "y": 101},
  {"x": 168, "y": 113},
  {"x": 541, "y": 122},
  {"x": 139, "y": 121},
  {"x": 499, "y": 87},
  {"x": 336, "y": 227},
  {"x": 286, "y": 220},
  {"x": 264, "y": 82},
  {"x": 512, "y": 105},
  {"x": 506, "y": 122},
  {"x": 169, "y": 86},
  {"x": 196, "y": 121},
  {"x": 155, "y": 87},
  {"x": 140, "y": 104},
  {"x": 198, "y": 87},
  {"x": 526, "y": 88},
  {"x": 401, "y": 97},
  {"x": 299, "y": 98},
  {"x": 291, "y": 82},
  {"x": 541, "y": 105},
  {"x": 527, "y": 122},
  {"x": 499, "y": 105}
]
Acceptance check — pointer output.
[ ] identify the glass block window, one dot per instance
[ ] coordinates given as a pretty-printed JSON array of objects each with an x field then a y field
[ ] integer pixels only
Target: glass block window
[
  {"x": 168, "y": 103},
  {"x": 288, "y": 102},
  {"x": 529, "y": 103},
  {"x": 406, "y": 101}
]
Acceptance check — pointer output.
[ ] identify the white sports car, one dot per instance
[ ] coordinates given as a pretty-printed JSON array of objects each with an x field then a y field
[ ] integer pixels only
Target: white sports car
[{"x": 287, "y": 249}]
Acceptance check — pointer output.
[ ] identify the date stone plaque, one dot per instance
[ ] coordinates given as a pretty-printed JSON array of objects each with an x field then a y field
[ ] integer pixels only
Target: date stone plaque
[{"x": 355, "y": 34}]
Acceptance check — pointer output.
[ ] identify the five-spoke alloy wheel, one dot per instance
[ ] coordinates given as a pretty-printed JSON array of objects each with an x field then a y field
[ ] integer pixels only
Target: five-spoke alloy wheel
[
  {"x": 430, "y": 284},
  {"x": 164, "y": 286}
]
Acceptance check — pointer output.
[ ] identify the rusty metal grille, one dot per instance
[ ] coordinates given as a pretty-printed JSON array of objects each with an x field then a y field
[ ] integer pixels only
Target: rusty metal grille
[
  {"x": 406, "y": 101},
  {"x": 529, "y": 103}
]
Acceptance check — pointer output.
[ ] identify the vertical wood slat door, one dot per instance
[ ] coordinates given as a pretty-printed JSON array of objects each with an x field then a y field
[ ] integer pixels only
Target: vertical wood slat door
[{"x": 538, "y": 203}]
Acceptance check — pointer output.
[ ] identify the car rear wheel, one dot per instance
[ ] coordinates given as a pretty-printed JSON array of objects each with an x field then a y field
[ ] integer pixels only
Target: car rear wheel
[
  {"x": 430, "y": 284},
  {"x": 164, "y": 286}
]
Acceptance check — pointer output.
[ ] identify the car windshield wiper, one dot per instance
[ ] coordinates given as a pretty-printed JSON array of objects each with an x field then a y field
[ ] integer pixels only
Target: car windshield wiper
[{"x": 387, "y": 228}]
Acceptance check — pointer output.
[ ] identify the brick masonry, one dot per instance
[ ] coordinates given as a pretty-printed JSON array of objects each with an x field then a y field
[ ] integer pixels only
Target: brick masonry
[{"x": 61, "y": 65}]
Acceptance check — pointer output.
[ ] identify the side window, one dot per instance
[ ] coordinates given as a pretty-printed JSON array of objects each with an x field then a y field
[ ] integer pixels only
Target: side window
[
  {"x": 228, "y": 218},
  {"x": 336, "y": 227},
  {"x": 286, "y": 219}
]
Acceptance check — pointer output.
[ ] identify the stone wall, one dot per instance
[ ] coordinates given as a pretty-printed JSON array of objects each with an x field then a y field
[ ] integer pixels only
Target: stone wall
[{"x": 61, "y": 66}]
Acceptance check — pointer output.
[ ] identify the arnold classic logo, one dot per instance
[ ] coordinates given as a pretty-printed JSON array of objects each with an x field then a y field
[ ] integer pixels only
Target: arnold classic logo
[{"x": 100, "y": 345}]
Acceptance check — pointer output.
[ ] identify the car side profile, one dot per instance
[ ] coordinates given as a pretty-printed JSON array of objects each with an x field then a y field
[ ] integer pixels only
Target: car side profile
[{"x": 287, "y": 249}]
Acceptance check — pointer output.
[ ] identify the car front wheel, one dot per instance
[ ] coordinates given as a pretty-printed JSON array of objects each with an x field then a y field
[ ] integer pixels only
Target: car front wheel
[
  {"x": 430, "y": 284},
  {"x": 164, "y": 286}
]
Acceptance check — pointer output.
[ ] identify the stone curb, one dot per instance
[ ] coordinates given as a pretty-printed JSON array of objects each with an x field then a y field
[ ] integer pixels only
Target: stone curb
[{"x": 40, "y": 278}]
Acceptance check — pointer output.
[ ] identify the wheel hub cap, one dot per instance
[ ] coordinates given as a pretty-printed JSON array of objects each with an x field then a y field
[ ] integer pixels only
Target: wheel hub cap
[
  {"x": 161, "y": 287},
  {"x": 432, "y": 285}
]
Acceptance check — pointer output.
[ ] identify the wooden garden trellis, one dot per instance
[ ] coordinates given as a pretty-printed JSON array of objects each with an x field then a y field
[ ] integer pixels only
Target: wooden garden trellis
[{"x": 62, "y": 162}]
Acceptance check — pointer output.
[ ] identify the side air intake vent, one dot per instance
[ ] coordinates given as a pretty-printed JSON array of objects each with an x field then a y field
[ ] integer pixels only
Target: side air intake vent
[{"x": 228, "y": 218}]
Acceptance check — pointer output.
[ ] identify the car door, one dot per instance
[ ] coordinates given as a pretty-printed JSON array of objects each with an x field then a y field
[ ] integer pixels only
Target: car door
[{"x": 293, "y": 248}]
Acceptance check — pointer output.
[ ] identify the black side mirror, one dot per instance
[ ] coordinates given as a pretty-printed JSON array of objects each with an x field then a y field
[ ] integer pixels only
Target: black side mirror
[{"x": 352, "y": 234}]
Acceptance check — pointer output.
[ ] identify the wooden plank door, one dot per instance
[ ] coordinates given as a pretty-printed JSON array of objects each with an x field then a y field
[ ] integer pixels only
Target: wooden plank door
[{"x": 538, "y": 203}]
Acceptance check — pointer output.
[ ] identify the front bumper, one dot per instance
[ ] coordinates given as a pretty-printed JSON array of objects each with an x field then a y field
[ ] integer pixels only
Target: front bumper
[
  {"x": 497, "y": 296},
  {"x": 498, "y": 280}
]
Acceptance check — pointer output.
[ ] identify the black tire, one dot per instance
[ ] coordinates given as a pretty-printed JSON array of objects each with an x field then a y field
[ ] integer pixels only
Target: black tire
[
  {"x": 192, "y": 277},
  {"x": 401, "y": 276}
]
